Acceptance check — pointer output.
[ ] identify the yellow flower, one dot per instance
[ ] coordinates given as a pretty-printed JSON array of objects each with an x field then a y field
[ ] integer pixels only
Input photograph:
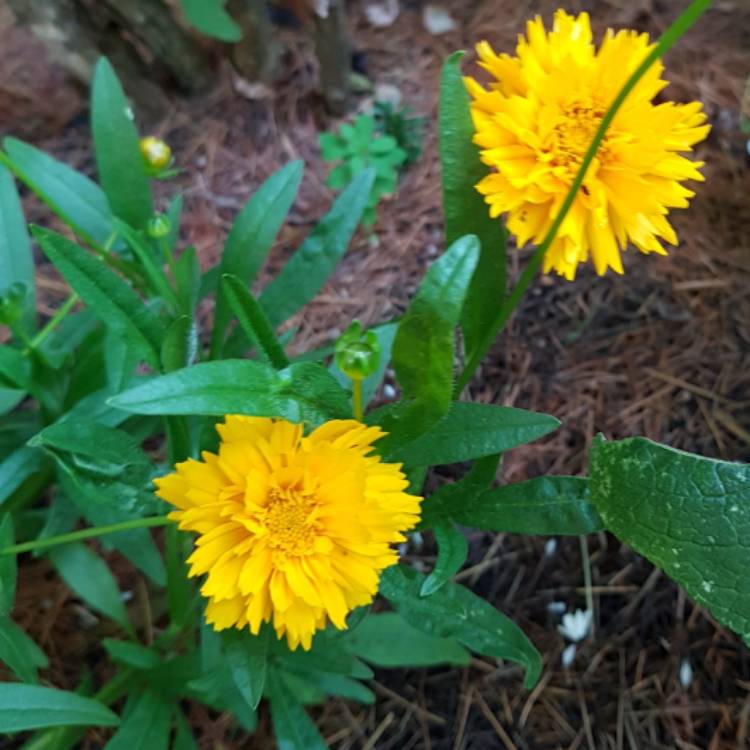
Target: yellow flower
[
  {"x": 537, "y": 120},
  {"x": 291, "y": 529},
  {"x": 156, "y": 153}
]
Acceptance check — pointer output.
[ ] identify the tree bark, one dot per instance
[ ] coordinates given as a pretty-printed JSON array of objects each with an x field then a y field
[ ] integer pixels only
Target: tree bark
[
  {"x": 332, "y": 47},
  {"x": 256, "y": 57}
]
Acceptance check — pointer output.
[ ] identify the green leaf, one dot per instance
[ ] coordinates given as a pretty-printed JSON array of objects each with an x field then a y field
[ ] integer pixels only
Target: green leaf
[
  {"x": 387, "y": 640},
  {"x": 687, "y": 514},
  {"x": 187, "y": 275},
  {"x": 8, "y": 567},
  {"x": 18, "y": 468},
  {"x": 180, "y": 345},
  {"x": 303, "y": 392},
  {"x": 131, "y": 654},
  {"x": 16, "y": 259},
  {"x": 247, "y": 655},
  {"x": 179, "y": 587},
  {"x": 15, "y": 369},
  {"x": 253, "y": 321},
  {"x": 292, "y": 726},
  {"x": 78, "y": 201},
  {"x": 19, "y": 652},
  {"x": 152, "y": 268},
  {"x": 145, "y": 726},
  {"x": 423, "y": 351},
  {"x": 309, "y": 268},
  {"x": 89, "y": 577},
  {"x": 105, "y": 293},
  {"x": 464, "y": 208},
  {"x": 183, "y": 736},
  {"x": 118, "y": 155},
  {"x": 24, "y": 707},
  {"x": 541, "y": 506},
  {"x": 455, "y": 612},
  {"x": 210, "y": 18},
  {"x": 251, "y": 237},
  {"x": 452, "y": 551},
  {"x": 472, "y": 430}
]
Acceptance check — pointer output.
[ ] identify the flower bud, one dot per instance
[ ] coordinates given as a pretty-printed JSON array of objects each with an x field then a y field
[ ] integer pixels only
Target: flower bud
[
  {"x": 158, "y": 226},
  {"x": 357, "y": 354},
  {"x": 156, "y": 153}
]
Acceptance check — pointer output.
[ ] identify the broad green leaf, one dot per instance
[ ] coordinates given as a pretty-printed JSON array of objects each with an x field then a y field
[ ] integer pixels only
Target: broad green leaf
[
  {"x": 19, "y": 652},
  {"x": 542, "y": 506},
  {"x": 387, "y": 640},
  {"x": 16, "y": 259},
  {"x": 464, "y": 208},
  {"x": 89, "y": 577},
  {"x": 145, "y": 726},
  {"x": 309, "y": 268},
  {"x": 8, "y": 566},
  {"x": 24, "y": 707},
  {"x": 20, "y": 467},
  {"x": 210, "y": 18},
  {"x": 247, "y": 655},
  {"x": 455, "y": 612},
  {"x": 329, "y": 683},
  {"x": 452, "y": 551},
  {"x": 423, "y": 350},
  {"x": 180, "y": 345},
  {"x": 118, "y": 155},
  {"x": 131, "y": 654},
  {"x": 303, "y": 392},
  {"x": 105, "y": 292},
  {"x": 326, "y": 655},
  {"x": 253, "y": 320},
  {"x": 687, "y": 514},
  {"x": 251, "y": 237},
  {"x": 471, "y": 430},
  {"x": 78, "y": 201},
  {"x": 292, "y": 726}
]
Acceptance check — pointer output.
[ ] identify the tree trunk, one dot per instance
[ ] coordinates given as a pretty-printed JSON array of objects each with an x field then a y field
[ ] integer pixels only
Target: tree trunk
[
  {"x": 256, "y": 57},
  {"x": 331, "y": 37}
]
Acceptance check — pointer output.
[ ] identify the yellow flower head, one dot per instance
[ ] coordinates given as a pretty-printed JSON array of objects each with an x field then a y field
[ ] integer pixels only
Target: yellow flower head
[
  {"x": 156, "y": 153},
  {"x": 291, "y": 529},
  {"x": 537, "y": 120}
]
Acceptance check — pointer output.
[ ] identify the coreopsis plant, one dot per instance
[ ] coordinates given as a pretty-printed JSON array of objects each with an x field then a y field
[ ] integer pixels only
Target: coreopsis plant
[{"x": 256, "y": 493}]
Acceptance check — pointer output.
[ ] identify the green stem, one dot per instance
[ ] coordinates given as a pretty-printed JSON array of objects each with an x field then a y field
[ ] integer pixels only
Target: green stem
[
  {"x": 77, "y": 536},
  {"x": 694, "y": 11},
  {"x": 54, "y": 321},
  {"x": 359, "y": 413}
]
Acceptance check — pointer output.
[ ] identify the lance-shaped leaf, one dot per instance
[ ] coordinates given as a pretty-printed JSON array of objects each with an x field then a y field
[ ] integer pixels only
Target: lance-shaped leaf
[
  {"x": 464, "y": 208},
  {"x": 687, "y": 514},
  {"x": 105, "y": 293},
  {"x": 303, "y": 392},
  {"x": 471, "y": 430},
  {"x": 541, "y": 506},
  {"x": 455, "y": 612},
  {"x": 247, "y": 656},
  {"x": 293, "y": 728},
  {"x": 251, "y": 237},
  {"x": 423, "y": 350},
  {"x": 146, "y": 725},
  {"x": 19, "y": 652},
  {"x": 210, "y": 18},
  {"x": 309, "y": 268},
  {"x": 24, "y": 707},
  {"x": 118, "y": 155},
  {"x": 452, "y": 551},
  {"x": 16, "y": 260},
  {"x": 76, "y": 199}
]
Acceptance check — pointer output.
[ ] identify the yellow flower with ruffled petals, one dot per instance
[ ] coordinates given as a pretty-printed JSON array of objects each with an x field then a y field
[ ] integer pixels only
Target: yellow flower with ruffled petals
[
  {"x": 536, "y": 121},
  {"x": 292, "y": 529}
]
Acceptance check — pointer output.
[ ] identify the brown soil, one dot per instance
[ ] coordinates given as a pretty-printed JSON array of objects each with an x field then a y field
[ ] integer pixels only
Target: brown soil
[{"x": 660, "y": 352}]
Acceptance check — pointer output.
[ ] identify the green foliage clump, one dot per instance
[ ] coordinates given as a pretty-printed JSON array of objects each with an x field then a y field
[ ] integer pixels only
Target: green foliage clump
[
  {"x": 407, "y": 131},
  {"x": 357, "y": 147}
]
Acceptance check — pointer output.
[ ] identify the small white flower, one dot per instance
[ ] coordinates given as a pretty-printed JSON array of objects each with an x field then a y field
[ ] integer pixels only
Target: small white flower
[
  {"x": 568, "y": 655},
  {"x": 575, "y": 626},
  {"x": 389, "y": 391},
  {"x": 686, "y": 673},
  {"x": 550, "y": 547}
]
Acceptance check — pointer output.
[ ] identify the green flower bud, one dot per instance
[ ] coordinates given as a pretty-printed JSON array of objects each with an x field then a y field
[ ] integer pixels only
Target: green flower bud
[
  {"x": 357, "y": 354},
  {"x": 11, "y": 304},
  {"x": 158, "y": 226}
]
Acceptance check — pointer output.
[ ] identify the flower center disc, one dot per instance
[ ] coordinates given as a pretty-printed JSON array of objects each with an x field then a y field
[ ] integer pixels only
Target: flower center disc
[
  {"x": 572, "y": 135},
  {"x": 290, "y": 521}
]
